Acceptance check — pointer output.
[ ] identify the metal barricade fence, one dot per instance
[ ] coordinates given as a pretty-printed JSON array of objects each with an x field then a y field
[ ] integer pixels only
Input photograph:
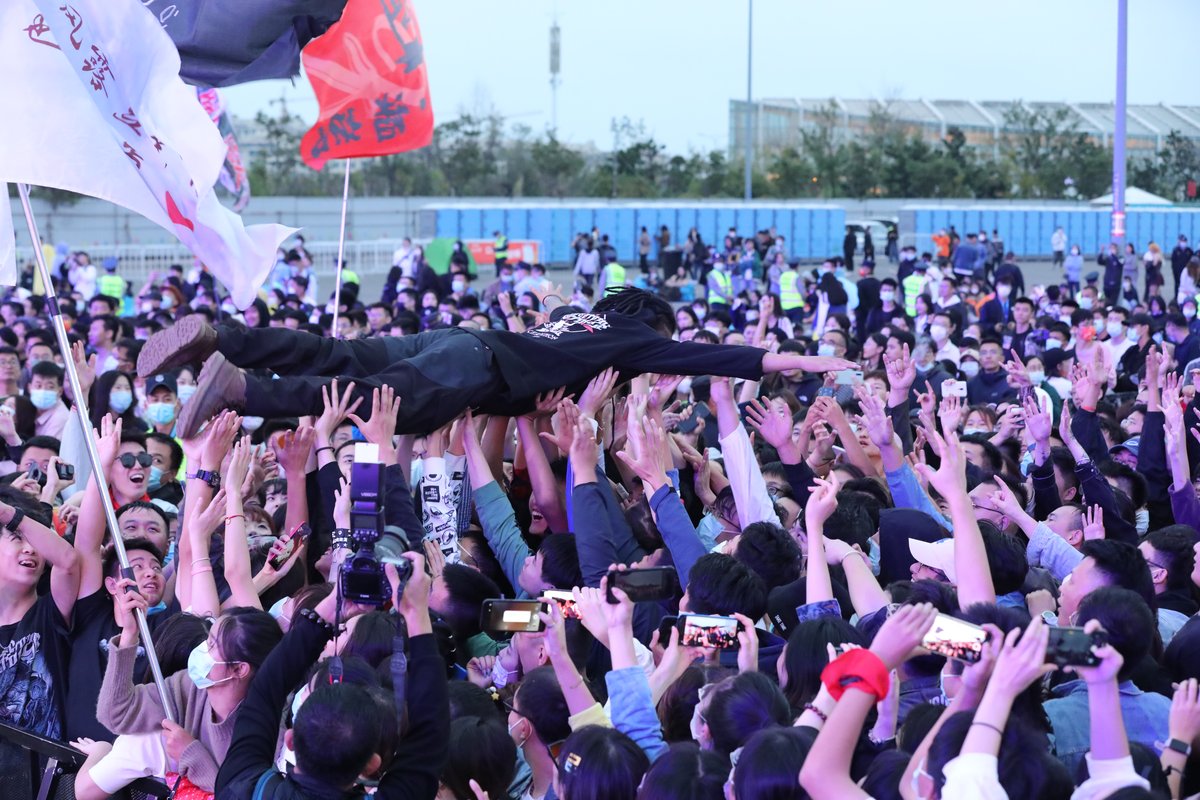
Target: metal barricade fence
[{"x": 136, "y": 263}]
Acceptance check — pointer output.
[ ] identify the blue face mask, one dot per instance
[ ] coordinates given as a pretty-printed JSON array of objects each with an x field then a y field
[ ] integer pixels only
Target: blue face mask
[
  {"x": 160, "y": 413},
  {"x": 43, "y": 399},
  {"x": 200, "y": 664},
  {"x": 155, "y": 479},
  {"x": 120, "y": 402}
]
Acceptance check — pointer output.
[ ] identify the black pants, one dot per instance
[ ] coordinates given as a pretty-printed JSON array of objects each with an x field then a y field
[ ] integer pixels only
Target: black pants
[{"x": 436, "y": 374}]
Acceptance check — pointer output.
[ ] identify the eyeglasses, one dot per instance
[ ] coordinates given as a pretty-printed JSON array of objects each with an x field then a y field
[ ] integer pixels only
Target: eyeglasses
[{"x": 127, "y": 460}]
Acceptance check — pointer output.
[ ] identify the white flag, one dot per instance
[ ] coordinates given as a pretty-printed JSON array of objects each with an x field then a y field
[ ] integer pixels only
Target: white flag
[
  {"x": 8, "y": 242},
  {"x": 95, "y": 105}
]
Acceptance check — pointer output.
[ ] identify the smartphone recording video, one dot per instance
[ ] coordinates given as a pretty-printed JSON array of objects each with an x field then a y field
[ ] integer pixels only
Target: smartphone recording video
[
  {"x": 565, "y": 602},
  {"x": 703, "y": 630},
  {"x": 956, "y": 639}
]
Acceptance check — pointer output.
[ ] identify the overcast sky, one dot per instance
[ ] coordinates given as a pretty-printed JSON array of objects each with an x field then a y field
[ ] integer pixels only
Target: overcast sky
[{"x": 674, "y": 65}]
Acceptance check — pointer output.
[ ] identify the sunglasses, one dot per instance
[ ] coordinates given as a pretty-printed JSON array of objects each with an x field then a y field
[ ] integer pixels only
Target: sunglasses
[{"x": 127, "y": 460}]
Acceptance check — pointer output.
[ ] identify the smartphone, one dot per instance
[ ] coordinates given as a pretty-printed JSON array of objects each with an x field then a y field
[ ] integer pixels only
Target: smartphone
[
  {"x": 954, "y": 388},
  {"x": 848, "y": 377},
  {"x": 653, "y": 583},
  {"x": 512, "y": 616},
  {"x": 288, "y": 545},
  {"x": 566, "y": 603},
  {"x": 705, "y": 630},
  {"x": 1073, "y": 647},
  {"x": 954, "y": 638},
  {"x": 66, "y": 472},
  {"x": 36, "y": 473}
]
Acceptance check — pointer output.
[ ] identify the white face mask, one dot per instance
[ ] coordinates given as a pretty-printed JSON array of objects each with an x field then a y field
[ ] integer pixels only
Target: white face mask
[
  {"x": 938, "y": 332},
  {"x": 1003, "y": 291},
  {"x": 1053, "y": 344},
  {"x": 1085, "y": 303},
  {"x": 1036, "y": 376},
  {"x": 970, "y": 368},
  {"x": 1114, "y": 329},
  {"x": 824, "y": 349},
  {"x": 887, "y": 296}
]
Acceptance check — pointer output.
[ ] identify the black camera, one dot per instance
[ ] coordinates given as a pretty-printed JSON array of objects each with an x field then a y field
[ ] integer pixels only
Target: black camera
[{"x": 362, "y": 579}]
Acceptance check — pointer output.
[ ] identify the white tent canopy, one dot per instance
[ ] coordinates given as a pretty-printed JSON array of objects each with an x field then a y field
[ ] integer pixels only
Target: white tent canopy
[{"x": 1134, "y": 197}]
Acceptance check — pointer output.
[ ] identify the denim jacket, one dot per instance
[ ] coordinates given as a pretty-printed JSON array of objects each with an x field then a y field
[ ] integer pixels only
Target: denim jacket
[
  {"x": 632, "y": 709},
  {"x": 1145, "y": 716},
  {"x": 907, "y": 493}
]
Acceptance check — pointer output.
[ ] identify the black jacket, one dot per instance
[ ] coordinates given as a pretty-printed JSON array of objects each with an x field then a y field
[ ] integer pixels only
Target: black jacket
[
  {"x": 573, "y": 349},
  {"x": 422, "y": 753}
]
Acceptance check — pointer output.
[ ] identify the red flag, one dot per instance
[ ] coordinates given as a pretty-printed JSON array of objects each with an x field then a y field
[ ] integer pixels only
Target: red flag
[{"x": 368, "y": 73}]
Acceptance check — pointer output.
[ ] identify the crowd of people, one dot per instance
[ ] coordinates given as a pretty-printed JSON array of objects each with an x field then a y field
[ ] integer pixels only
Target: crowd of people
[{"x": 837, "y": 461}]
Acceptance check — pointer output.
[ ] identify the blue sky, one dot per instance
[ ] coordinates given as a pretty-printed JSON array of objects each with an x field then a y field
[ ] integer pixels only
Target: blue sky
[{"x": 674, "y": 65}]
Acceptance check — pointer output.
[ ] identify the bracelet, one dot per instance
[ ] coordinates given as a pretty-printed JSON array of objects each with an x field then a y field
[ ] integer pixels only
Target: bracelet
[
  {"x": 851, "y": 553},
  {"x": 202, "y": 570},
  {"x": 813, "y": 708},
  {"x": 315, "y": 618},
  {"x": 236, "y": 516},
  {"x": 205, "y": 560},
  {"x": 341, "y": 537},
  {"x": 319, "y": 449},
  {"x": 17, "y": 518},
  {"x": 999, "y": 731},
  {"x": 860, "y": 668}
]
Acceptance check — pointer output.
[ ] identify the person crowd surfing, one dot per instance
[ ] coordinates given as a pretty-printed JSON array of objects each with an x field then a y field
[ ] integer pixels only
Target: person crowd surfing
[{"x": 821, "y": 534}]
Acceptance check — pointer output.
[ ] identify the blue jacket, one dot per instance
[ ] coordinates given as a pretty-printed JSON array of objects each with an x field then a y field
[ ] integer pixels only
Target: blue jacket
[{"x": 1145, "y": 715}]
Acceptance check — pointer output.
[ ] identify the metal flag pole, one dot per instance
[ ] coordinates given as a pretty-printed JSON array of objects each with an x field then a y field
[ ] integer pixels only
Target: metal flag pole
[
  {"x": 337, "y": 288},
  {"x": 1118, "y": 201},
  {"x": 89, "y": 440}
]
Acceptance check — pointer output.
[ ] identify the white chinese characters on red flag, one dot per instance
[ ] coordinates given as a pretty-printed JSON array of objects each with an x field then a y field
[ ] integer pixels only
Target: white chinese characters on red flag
[{"x": 95, "y": 84}]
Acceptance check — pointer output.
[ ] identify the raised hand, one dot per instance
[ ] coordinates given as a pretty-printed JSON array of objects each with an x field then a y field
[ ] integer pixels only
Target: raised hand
[
  {"x": 213, "y": 514},
  {"x": 1022, "y": 659},
  {"x": 1038, "y": 421},
  {"x": 380, "y": 427},
  {"x": 927, "y": 400},
  {"x": 1064, "y": 432},
  {"x": 598, "y": 390},
  {"x": 663, "y": 390},
  {"x": 239, "y": 464},
  {"x": 1093, "y": 523},
  {"x": 219, "y": 439},
  {"x": 901, "y": 372},
  {"x": 85, "y": 367},
  {"x": 108, "y": 440},
  {"x": 902, "y": 632},
  {"x": 950, "y": 478},
  {"x": 875, "y": 417},
  {"x": 546, "y": 403},
  {"x": 772, "y": 420},
  {"x": 295, "y": 449},
  {"x": 820, "y": 506},
  {"x": 584, "y": 450},
  {"x": 1184, "y": 720},
  {"x": 336, "y": 407},
  {"x": 951, "y": 413},
  {"x": 1018, "y": 375}
]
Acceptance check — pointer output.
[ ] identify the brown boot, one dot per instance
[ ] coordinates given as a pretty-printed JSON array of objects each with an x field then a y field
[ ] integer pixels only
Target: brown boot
[
  {"x": 221, "y": 386},
  {"x": 188, "y": 341}
]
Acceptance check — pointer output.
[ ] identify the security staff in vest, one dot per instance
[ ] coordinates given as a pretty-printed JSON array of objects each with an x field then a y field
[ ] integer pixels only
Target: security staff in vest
[
  {"x": 500, "y": 248},
  {"x": 791, "y": 294},
  {"x": 720, "y": 286},
  {"x": 913, "y": 285},
  {"x": 613, "y": 275},
  {"x": 110, "y": 282}
]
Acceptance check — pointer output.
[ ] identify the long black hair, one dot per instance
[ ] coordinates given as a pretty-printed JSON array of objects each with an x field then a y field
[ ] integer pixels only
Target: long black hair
[{"x": 639, "y": 304}]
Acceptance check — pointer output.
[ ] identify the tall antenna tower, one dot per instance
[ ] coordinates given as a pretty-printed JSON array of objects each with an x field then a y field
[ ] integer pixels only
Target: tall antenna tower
[{"x": 555, "y": 73}]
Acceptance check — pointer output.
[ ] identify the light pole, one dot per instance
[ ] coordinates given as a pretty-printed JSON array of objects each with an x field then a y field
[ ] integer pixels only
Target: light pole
[
  {"x": 1118, "y": 208},
  {"x": 749, "y": 191}
]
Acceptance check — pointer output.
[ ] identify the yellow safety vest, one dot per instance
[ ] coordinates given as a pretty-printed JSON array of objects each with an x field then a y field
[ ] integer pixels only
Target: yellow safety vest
[
  {"x": 790, "y": 295},
  {"x": 614, "y": 275},
  {"x": 500, "y": 247},
  {"x": 725, "y": 294},
  {"x": 112, "y": 285},
  {"x": 912, "y": 287}
]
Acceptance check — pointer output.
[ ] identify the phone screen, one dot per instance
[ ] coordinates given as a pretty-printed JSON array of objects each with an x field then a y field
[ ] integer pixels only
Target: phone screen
[
  {"x": 513, "y": 616},
  {"x": 641, "y": 585},
  {"x": 954, "y": 638},
  {"x": 566, "y": 603},
  {"x": 703, "y": 630}
]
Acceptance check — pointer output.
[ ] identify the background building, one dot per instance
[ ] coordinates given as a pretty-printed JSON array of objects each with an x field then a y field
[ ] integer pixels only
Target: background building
[{"x": 777, "y": 124}]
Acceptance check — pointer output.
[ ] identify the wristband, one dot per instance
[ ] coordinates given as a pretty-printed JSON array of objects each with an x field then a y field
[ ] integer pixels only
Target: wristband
[
  {"x": 859, "y": 668},
  {"x": 320, "y": 449},
  {"x": 989, "y": 726},
  {"x": 17, "y": 518},
  {"x": 209, "y": 477},
  {"x": 342, "y": 539},
  {"x": 315, "y": 618},
  {"x": 236, "y": 516}
]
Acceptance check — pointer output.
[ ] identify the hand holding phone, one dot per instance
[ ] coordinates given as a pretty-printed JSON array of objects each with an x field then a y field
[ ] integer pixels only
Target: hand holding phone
[
  {"x": 513, "y": 616},
  {"x": 954, "y": 638},
  {"x": 644, "y": 585},
  {"x": 565, "y": 602},
  {"x": 282, "y": 550}
]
